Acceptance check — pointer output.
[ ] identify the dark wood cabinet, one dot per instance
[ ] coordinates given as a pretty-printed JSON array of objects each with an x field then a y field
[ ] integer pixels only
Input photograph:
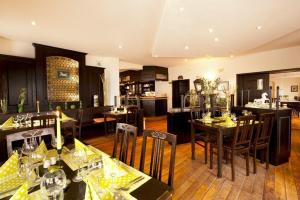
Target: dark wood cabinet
[
  {"x": 94, "y": 85},
  {"x": 179, "y": 87},
  {"x": 152, "y": 73},
  {"x": 247, "y": 87},
  {"x": 153, "y": 106},
  {"x": 17, "y": 73},
  {"x": 130, "y": 76}
]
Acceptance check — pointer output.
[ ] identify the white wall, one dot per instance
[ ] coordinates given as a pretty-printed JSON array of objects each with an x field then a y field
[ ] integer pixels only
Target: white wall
[
  {"x": 227, "y": 68},
  {"x": 16, "y": 48},
  {"x": 285, "y": 85},
  {"x": 123, "y": 65},
  {"x": 111, "y": 64}
]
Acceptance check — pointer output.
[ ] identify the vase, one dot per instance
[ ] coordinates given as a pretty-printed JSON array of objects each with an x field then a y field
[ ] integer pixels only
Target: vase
[{"x": 20, "y": 108}]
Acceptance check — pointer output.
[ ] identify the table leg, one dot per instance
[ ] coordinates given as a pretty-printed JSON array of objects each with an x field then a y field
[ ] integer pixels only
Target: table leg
[
  {"x": 74, "y": 131},
  {"x": 193, "y": 141},
  {"x": 220, "y": 152},
  {"x": 105, "y": 125}
]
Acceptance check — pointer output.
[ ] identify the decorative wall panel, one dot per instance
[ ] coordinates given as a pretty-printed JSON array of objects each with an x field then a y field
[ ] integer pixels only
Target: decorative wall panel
[{"x": 62, "y": 79}]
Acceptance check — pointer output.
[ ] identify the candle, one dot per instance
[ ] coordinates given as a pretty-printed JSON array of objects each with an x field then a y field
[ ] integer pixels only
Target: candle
[
  {"x": 38, "y": 106},
  {"x": 58, "y": 132}
]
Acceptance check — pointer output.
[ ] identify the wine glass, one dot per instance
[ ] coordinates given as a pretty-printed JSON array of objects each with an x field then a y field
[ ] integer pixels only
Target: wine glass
[
  {"x": 15, "y": 120},
  {"x": 53, "y": 184},
  {"x": 80, "y": 157},
  {"x": 29, "y": 147}
]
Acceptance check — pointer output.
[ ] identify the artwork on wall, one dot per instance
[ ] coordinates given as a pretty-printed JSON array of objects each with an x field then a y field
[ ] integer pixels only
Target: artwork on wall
[
  {"x": 63, "y": 74},
  {"x": 62, "y": 71},
  {"x": 223, "y": 86},
  {"x": 294, "y": 88}
]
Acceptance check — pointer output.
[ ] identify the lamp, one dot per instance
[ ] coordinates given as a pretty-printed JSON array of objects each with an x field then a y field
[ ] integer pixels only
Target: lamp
[{"x": 260, "y": 84}]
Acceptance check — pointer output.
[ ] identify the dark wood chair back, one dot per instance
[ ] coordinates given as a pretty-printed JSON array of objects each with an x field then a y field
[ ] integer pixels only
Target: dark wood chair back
[
  {"x": 132, "y": 115},
  {"x": 44, "y": 120},
  {"x": 243, "y": 131},
  {"x": 157, "y": 155},
  {"x": 79, "y": 121},
  {"x": 196, "y": 113},
  {"x": 264, "y": 129},
  {"x": 123, "y": 134}
]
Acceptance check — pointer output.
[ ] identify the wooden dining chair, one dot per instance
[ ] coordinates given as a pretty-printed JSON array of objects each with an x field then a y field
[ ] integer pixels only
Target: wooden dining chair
[
  {"x": 43, "y": 121},
  {"x": 19, "y": 136},
  {"x": 240, "y": 141},
  {"x": 132, "y": 115},
  {"x": 200, "y": 138},
  {"x": 123, "y": 134},
  {"x": 157, "y": 155},
  {"x": 261, "y": 138}
]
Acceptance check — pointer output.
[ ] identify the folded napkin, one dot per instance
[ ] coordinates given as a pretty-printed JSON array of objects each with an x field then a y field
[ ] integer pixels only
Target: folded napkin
[
  {"x": 64, "y": 117},
  {"x": 91, "y": 193},
  {"x": 8, "y": 123},
  {"x": 11, "y": 166},
  {"x": 81, "y": 146},
  {"x": 22, "y": 193},
  {"x": 41, "y": 150}
]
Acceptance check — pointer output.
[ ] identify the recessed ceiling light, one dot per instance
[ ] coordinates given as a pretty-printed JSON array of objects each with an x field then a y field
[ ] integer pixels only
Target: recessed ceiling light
[
  {"x": 155, "y": 55},
  {"x": 186, "y": 47},
  {"x": 216, "y": 39},
  {"x": 231, "y": 56},
  {"x": 185, "y": 60},
  {"x": 259, "y": 27},
  {"x": 120, "y": 46},
  {"x": 210, "y": 30},
  {"x": 181, "y": 9},
  {"x": 33, "y": 23}
]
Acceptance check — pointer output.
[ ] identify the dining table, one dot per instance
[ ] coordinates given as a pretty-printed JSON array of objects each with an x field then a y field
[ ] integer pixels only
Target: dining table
[
  {"x": 216, "y": 128},
  {"x": 147, "y": 188},
  {"x": 67, "y": 123},
  {"x": 116, "y": 114}
]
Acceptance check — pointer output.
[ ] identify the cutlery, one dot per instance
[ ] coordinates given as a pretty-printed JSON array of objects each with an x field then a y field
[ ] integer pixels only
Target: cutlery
[{"x": 131, "y": 183}]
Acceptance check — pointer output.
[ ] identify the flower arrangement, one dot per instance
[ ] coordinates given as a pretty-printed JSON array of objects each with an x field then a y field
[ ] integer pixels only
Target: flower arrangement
[
  {"x": 21, "y": 100},
  {"x": 208, "y": 86}
]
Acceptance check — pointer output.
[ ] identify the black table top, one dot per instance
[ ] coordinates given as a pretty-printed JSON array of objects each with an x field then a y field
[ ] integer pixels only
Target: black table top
[{"x": 151, "y": 190}]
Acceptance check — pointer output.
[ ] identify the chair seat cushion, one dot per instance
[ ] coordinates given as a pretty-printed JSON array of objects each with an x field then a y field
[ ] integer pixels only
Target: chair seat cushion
[{"x": 101, "y": 120}]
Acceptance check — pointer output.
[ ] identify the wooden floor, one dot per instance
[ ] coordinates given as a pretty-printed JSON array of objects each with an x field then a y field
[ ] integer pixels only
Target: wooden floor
[{"x": 194, "y": 180}]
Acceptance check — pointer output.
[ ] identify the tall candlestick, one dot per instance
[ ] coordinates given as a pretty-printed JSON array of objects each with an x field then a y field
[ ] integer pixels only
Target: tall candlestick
[
  {"x": 58, "y": 132},
  {"x": 38, "y": 106}
]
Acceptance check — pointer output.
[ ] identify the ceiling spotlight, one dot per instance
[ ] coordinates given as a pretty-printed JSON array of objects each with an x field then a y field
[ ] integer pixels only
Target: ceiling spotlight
[
  {"x": 120, "y": 46},
  {"x": 231, "y": 56},
  {"x": 210, "y": 30},
  {"x": 33, "y": 23},
  {"x": 216, "y": 39},
  {"x": 259, "y": 27},
  {"x": 181, "y": 9},
  {"x": 186, "y": 47},
  {"x": 185, "y": 60},
  {"x": 155, "y": 55}
]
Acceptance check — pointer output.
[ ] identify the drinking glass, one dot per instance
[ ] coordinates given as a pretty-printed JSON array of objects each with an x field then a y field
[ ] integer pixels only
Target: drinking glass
[
  {"x": 29, "y": 147},
  {"x": 15, "y": 120},
  {"x": 80, "y": 157},
  {"x": 53, "y": 184}
]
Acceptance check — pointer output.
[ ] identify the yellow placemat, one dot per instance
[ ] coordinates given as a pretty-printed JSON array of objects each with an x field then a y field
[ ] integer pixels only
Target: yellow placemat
[
  {"x": 11, "y": 183},
  {"x": 11, "y": 166},
  {"x": 64, "y": 117},
  {"x": 9, "y": 123}
]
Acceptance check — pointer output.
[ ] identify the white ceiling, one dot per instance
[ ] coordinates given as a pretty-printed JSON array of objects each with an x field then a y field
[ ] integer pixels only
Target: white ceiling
[
  {"x": 285, "y": 75},
  {"x": 154, "y": 31}
]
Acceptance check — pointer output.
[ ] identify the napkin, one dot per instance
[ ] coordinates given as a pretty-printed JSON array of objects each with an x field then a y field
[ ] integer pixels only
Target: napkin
[
  {"x": 64, "y": 117},
  {"x": 92, "y": 194},
  {"x": 8, "y": 123},
  {"x": 80, "y": 145},
  {"x": 11, "y": 166},
  {"x": 22, "y": 193},
  {"x": 41, "y": 148}
]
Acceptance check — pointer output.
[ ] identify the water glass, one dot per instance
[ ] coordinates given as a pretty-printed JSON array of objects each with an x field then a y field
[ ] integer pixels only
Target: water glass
[
  {"x": 53, "y": 184},
  {"x": 80, "y": 157}
]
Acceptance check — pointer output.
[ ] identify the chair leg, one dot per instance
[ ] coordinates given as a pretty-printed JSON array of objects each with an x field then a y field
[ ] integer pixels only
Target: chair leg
[
  {"x": 254, "y": 161},
  {"x": 267, "y": 158},
  {"x": 205, "y": 151},
  {"x": 247, "y": 163},
  {"x": 232, "y": 165},
  {"x": 226, "y": 156},
  {"x": 211, "y": 155}
]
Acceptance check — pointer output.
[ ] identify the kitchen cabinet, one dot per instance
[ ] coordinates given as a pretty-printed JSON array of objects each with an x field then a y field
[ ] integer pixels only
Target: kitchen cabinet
[
  {"x": 152, "y": 73},
  {"x": 179, "y": 87}
]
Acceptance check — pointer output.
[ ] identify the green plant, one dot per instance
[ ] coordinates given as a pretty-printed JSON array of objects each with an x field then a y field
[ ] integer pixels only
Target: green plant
[
  {"x": 3, "y": 105},
  {"x": 193, "y": 97},
  {"x": 21, "y": 99},
  {"x": 208, "y": 86}
]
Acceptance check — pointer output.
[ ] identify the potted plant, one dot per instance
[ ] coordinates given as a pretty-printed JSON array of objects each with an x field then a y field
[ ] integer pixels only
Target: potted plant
[{"x": 21, "y": 100}]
